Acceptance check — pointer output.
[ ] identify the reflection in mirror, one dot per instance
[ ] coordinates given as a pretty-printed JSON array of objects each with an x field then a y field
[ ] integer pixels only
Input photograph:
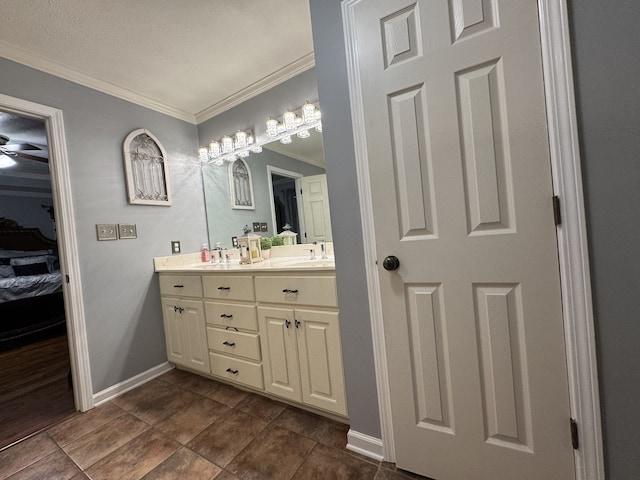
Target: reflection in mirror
[{"x": 301, "y": 161}]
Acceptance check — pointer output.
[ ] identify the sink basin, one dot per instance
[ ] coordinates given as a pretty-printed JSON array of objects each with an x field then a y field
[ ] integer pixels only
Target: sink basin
[{"x": 329, "y": 262}]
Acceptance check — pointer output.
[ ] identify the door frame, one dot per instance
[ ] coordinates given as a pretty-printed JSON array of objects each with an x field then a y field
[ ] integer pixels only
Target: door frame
[
  {"x": 296, "y": 176},
  {"x": 67, "y": 242},
  {"x": 573, "y": 255}
]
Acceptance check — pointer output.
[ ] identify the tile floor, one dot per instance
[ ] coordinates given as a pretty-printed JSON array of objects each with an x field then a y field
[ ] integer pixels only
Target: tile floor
[{"x": 184, "y": 426}]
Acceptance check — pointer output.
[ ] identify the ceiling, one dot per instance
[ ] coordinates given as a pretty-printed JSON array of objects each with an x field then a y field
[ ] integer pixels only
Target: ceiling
[{"x": 190, "y": 59}]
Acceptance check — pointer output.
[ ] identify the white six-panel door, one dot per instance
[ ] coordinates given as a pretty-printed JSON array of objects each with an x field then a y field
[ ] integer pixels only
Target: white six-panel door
[{"x": 461, "y": 191}]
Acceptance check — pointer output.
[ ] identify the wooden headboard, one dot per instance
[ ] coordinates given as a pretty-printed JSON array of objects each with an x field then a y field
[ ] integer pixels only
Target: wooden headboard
[{"x": 15, "y": 237}]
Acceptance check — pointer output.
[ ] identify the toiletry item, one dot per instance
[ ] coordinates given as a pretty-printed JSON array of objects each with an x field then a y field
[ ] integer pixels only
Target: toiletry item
[{"x": 205, "y": 256}]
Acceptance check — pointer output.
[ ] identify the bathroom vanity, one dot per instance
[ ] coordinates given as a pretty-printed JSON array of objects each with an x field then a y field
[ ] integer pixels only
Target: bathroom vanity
[{"x": 271, "y": 327}]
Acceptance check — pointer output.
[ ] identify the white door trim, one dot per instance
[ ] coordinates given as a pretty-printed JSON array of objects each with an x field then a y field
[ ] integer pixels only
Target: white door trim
[
  {"x": 67, "y": 244},
  {"x": 572, "y": 237},
  {"x": 296, "y": 176}
]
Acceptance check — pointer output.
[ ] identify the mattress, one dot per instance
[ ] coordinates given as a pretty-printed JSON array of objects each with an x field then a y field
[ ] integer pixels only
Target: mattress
[{"x": 15, "y": 288}]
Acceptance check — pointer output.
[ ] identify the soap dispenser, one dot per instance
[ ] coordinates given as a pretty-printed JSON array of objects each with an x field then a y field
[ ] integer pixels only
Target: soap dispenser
[{"x": 205, "y": 256}]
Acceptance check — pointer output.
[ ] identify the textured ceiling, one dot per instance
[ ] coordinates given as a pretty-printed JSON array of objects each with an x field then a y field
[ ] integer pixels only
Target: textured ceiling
[{"x": 190, "y": 58}]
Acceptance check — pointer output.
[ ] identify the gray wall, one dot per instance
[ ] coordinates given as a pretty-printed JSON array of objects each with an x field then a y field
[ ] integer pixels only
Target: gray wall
[
  {"x": 225, "y": 222},
  {"x": 355, "y": 323},
  {"x": 28, "y": 212},
  {"x": 122, "y": 302},
  {"x": 606, "y": 43}
]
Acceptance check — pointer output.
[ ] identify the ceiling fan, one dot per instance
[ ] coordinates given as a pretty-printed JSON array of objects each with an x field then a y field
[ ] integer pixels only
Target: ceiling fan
[{"x": 21, "y": 150}]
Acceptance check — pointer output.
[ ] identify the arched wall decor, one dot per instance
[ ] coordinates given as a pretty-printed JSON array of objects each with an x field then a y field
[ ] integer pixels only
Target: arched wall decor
[
  {"x": 241, "y": 185},
  {"x": 145, "y": 162}
]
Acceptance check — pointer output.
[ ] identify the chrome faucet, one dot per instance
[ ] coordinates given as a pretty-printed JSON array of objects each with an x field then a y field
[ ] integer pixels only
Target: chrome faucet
[{"x": 323, "y": 249}]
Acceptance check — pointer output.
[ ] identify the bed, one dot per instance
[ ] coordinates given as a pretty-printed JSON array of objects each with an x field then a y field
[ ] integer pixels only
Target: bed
[{"x": 31, "y": 301}]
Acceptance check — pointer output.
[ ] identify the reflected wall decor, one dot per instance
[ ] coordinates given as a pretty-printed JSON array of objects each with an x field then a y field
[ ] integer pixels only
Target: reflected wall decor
[{"x": 145, "y": 162}]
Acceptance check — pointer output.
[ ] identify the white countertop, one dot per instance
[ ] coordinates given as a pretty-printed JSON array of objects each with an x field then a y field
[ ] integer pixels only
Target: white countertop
[{"x": 191, "y": 263}]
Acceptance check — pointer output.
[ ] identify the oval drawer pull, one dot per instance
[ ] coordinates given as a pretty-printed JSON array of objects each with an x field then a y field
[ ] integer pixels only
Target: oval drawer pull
[
  {"x": 224, "y": 315},
  {"x": 224, "y": 288},
  {"x": 178, "y": 286},
  {"x": 229, "y": 344},
  {"x": 287, "y": 290},
  {"x": 235, "y": 372}
]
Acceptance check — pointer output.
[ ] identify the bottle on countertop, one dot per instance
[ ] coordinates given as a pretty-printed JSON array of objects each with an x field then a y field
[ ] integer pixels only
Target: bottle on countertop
[{"x": 204, "y": 253}]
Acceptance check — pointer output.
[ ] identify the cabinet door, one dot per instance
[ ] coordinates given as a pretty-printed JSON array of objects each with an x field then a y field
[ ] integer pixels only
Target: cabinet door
[
  {"x": 320, "y": 355},
  {"x": 279, "y": 352},
  {"x": 173, "y": 331},
  {"x": 195, "y": 334}
]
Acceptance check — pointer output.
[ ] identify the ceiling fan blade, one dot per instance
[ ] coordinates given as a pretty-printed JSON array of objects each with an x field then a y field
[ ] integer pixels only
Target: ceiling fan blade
[
  {"x": 15, "y": 147},
  {"x": 29, "y": 157}
]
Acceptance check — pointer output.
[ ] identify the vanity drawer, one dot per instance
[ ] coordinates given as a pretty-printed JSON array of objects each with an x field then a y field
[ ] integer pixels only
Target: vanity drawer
[
  {"x": 314, "y": 290},
  {"x": 237, "y": 370},
  {"x": 234, "y": 343},
  {"x": 231, "y": 315},
  {"x": 181, "y": 285},
  {"x": 228, "y": 287}
]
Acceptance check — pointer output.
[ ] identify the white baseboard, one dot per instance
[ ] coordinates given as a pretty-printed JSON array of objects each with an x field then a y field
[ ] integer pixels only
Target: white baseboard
[
  {"x": 131, "y": 383},
  {"x": 365, "y": 445}
]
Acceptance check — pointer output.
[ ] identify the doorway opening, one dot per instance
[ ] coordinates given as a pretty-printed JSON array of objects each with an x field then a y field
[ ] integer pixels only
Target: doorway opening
[{"x": 286, "y": 207}]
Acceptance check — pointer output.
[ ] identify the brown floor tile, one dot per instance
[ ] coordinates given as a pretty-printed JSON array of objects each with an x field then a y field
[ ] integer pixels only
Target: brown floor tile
[
  {"x": 191, "y": 419},
  {"x": 99, "y": 443},
  {"x": 189, "y": 381},
  {"x": 335, "y": 435},
  {"x": 184, "y": 464},
  {"x": 55, "y": 466},
  {"x": 82, "y": 423},
  {"x": 333, "y": 464},
  {"x": 261, "y": 407},
  {"x": 274, "y": 454},
  {"x": 25, "y": 453},
  {"x": 302, "y": 422},
  {"x": 135, "y": 459},
  {"x": 227, "y": 394},
  {"x": 81, "y": 476},
  {"x": 222, "y": 441},
  {"x": 389, "y": 471},
  {"x": 224, "y": 475},
  {"x": 154, "y": 401}
]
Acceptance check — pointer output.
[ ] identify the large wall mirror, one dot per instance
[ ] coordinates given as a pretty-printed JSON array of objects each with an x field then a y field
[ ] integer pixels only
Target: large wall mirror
[{"x": 289, "y": 190}]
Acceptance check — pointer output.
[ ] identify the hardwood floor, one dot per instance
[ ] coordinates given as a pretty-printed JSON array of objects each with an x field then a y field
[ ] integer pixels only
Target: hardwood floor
[{"x": 34, "y": 389}]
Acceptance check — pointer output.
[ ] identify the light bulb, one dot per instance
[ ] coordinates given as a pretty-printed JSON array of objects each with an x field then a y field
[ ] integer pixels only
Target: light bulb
[
  {"x": 202, "y": 154},
  {"x": 257, "y": 149},
  {"x": 241, "y": 139},
  {"x": 304, "y": 134},
  {"x": 308, "y": 113},
  {"x": 214, "y": 149},
  {"x": 286, "y": 140},
  {"x": 227, "y": 144},
  {"x": 289, "y": 120},
  {"x": 319, "y": 127}
]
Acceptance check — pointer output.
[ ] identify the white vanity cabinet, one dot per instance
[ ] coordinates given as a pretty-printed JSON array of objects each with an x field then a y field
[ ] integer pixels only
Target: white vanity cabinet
[
  {"x": 232, "y": 329},
  {"x": 184, "y": 322},
  {"x": 300, "y": 338}
]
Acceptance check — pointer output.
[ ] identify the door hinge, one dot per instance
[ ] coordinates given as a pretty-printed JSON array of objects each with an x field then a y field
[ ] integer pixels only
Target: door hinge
[
  {"x": 556, "y": 210},
  {"x": 575, "y": 443}
]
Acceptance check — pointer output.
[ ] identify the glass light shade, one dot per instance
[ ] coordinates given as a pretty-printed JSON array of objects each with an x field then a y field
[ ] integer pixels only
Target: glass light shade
[
  {"x": 203, "y": 154},
  {"x": 286, "y": 140},
  {"x": 214, "y": 149},
  {"x": 257, "y": 149},
  {"x": 227, "y": 144},
  {"x": 319, "y": 127},
  {"x": 272, "y": 127},
  {"x": 304, "y": 134},
  {"x": 244, "y": 154},
  {"x": 289, "y": 120},
  {"x": 241, "y": 139},
  {"x": 250, "y": 139},
  {"x": 308, "y": 113}
]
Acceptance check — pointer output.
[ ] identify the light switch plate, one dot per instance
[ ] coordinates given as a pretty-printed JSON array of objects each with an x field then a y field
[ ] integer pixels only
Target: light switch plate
[
  {"x": 175, "y": 246},
  {"x": 127, "y": 231},
  {"x": 264, "y": 227},
  {"x": 256, "y": 226},
  {"x": 107, "y": 231}
]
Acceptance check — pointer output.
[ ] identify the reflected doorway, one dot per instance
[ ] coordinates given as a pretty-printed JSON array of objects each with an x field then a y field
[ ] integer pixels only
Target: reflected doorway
[{"x": 285, "y": 201}]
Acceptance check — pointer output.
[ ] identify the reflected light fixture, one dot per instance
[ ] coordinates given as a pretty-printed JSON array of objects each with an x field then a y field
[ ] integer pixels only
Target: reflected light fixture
[{"x": 229, "y": 148}]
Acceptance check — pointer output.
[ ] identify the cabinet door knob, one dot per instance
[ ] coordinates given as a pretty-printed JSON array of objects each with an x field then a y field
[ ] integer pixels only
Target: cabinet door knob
[
  {"x": 297, "y": 323},
  {"x": 287, "y": 323}
]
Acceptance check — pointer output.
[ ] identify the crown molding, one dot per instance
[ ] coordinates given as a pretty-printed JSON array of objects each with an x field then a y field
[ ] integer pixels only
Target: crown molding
[
  {"x": 279, "y": 76},
  {"x": 30, "y": 59}
]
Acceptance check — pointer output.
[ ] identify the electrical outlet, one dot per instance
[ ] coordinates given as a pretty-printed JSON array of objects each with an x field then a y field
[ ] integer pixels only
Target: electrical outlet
[
  {"x": 256, "y": 226},
  {"x": 234, "y": 242},
  {"x": 107, "y": 231},
  {"x": 175, "y": 246},
  {"x": 264, "y": 227},
  {"x": 127, "y": 231}
]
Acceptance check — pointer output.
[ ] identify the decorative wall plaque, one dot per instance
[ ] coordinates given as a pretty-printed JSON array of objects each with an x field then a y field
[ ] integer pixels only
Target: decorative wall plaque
[
  {"x": 146, "y": 169},
  {"x": 241, "y": 185}
]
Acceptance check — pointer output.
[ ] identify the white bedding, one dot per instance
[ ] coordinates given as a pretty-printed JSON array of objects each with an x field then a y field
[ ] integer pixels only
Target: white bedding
[{"x": 14, "y": 288}]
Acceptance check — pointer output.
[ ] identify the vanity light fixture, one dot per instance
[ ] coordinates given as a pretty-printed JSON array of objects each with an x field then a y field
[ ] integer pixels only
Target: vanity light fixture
[
  {"x": 229, "y": 148},
  {"x": 294, "y": 124}
]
